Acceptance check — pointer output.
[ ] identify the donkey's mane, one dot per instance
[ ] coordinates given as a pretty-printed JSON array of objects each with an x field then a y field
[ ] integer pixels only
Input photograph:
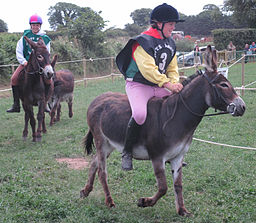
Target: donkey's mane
[{"x": 190, "y": 78}]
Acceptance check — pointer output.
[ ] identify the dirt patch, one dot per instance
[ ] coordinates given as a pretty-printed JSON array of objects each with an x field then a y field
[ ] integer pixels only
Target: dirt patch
[{"x": 74, "y": 163}]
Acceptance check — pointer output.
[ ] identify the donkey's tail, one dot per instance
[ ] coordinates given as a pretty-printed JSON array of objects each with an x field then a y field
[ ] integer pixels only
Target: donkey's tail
[{"x": 88, "y": 142}]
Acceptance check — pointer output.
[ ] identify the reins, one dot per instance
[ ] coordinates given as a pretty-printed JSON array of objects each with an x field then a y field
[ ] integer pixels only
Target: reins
[
  {"x": 216, "y": 94},
  {"x": 200, "y": 115}
]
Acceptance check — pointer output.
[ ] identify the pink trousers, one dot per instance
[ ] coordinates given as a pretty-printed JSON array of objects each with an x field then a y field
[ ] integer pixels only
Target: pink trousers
[{"x": 139, "y": 95}]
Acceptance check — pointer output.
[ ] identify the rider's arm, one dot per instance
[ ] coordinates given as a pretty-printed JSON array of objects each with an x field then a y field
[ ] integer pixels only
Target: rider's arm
[
  {"x": 48, "y": 46},
  {"x": 19, "y": 52},
  {"x": 172, "y": 70}
]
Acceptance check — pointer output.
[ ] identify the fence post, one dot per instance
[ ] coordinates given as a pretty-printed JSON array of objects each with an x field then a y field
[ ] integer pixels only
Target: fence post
[
  {"x": 13, "y": 68},
  {"x": 84, "y": 67},
  {"x": 243, "y": 61}
]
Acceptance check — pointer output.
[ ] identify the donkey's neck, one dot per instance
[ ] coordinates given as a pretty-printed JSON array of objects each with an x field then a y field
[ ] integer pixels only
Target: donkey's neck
[{"x": 193, "y": 97}]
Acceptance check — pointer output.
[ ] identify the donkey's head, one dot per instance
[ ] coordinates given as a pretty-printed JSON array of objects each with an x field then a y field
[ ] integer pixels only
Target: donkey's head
[
  {"x": 40, "y": 58},
  {"x": 221, "y": 94}
]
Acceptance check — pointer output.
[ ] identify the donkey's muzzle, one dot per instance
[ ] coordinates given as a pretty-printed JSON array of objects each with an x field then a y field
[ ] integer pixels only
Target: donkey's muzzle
[
  {"x": 237, "y": 107},
  {"x": 48, "y": 71}
]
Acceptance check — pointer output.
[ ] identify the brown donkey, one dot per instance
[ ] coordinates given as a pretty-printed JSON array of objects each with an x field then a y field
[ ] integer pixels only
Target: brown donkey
[
  {"x": 34, "y": 87},
  {"x": 166, "y": 135},
  {"x": 63, "y": 91}
]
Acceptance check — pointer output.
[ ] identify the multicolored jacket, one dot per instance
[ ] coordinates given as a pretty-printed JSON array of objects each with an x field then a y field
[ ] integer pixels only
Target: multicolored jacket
[{"x": 149, "y": 59}]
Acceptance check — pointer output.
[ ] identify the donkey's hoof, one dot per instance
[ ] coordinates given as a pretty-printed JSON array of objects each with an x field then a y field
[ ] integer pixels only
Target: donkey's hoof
[
  {"x": 184, "y": 212},
  {"x": 83, "y": 194},
  {"x": 145, "y": 202}
]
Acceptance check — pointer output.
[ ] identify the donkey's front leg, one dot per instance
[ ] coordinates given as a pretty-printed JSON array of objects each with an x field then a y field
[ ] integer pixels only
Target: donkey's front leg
[
  {"x": 70, "y": 111},
  {"x": 177, "y": 184},
  {"x": 25, "y": 130},
  {"x": 40, "y": 118},
  {"x": 159, "y": 170}
]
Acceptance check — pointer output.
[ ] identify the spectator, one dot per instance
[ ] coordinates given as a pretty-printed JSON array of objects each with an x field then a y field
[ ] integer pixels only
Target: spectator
[
  {"x": 253, "y": 47},
  {"x": 197, "y": 55},
  {"x": 247, "y": 51},
  {"x": 231, "y": 46},
  {"x": 231, "y": 54}
]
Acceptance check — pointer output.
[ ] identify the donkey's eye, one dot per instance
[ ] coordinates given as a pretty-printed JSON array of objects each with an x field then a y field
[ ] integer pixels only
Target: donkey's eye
[
  {"x": 40, "y": 57},
  {"x": 224, "y": 85}
]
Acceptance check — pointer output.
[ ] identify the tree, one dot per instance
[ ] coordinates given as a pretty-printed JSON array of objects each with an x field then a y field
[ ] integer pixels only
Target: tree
[
  {"x": 214, "y": 11},
  {"x": 243, "y": 11},
  {"x": 87, "y": 28},
  {"x": 141, "y": 17},
  {"x": 3, "y": 26},
  {"x": 202, "y": 24},
  {"x": 62, "y": 14},
  {"x": 133, "y": 29}
]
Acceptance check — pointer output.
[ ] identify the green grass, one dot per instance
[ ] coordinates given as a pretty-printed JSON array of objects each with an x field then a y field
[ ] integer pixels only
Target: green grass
[{"x": 219, "y": 182}]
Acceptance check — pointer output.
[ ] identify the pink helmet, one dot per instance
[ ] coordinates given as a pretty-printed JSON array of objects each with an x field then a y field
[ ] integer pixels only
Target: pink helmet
[{"x": 35, "y": 19}]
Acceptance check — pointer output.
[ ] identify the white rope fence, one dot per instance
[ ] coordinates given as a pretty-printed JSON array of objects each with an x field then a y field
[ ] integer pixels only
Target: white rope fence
[{"x": 225, "y": 145}]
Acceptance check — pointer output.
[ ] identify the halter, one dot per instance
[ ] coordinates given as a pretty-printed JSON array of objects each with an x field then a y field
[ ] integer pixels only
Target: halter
[
  {"x": 216, "y": 92},
  {"x": 40, "y": 69}
]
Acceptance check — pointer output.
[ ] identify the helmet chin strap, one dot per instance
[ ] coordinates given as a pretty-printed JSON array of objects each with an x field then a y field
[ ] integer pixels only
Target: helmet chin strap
[{"x": 162, "y": 28}]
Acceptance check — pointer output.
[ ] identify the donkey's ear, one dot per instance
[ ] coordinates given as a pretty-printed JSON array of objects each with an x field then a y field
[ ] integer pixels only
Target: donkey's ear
[
  {"x": 40, "y": 42},
  {"x": 54, "y": 60},
  {"x": 30, "y": 42},
  {"x": 214, "y": 60},
  {"x": 208, "y": 59}
]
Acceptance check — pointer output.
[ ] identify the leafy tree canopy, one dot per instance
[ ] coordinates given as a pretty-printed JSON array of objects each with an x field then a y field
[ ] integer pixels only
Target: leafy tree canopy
[
  {"x": 3, "y": 26},
  {"x": 62, "y": 14},
  {"x": 141, "y": 17},
  {"x": 243, "y": 11},
  {"x": 87, "y": 28}
]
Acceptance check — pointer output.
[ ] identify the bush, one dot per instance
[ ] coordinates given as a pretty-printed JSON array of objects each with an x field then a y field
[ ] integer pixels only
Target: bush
[
  {"x": 239, "y": 37},
  {"x": 7, "y": 52}
]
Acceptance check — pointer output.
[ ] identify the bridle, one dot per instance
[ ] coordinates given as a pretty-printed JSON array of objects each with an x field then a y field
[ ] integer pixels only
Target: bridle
[
  {"x": 216, "y": 92},
  {"x": 40, "y": 69}
]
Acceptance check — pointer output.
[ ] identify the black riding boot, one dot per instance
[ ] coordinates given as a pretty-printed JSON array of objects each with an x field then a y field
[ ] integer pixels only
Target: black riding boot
[
  {"x": 130, "y": 139},
  {"x": 16, "y": 105}
]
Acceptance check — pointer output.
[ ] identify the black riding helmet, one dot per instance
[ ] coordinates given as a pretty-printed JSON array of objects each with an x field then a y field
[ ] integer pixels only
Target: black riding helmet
[{"x": 164, "y": 13}]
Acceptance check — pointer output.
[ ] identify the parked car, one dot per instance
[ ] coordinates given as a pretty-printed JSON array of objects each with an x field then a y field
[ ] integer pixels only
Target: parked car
[{"x": 190, "y": 57}]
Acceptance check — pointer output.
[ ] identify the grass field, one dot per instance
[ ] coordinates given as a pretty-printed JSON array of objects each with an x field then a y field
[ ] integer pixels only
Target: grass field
[{"x": 219, "y": 182}]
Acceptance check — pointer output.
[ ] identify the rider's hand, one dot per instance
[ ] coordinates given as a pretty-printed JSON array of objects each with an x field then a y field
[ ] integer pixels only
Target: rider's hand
[
  {"x": 25, "y": 64},
  {"x": 175, "y": 88}
]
